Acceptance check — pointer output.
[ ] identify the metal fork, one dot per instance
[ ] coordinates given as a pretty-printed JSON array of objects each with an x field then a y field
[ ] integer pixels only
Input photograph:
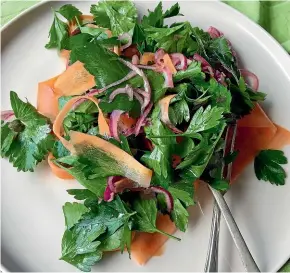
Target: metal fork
[
  {"x": 219, "y": 207},
  {"x": 211, "y": 264}
]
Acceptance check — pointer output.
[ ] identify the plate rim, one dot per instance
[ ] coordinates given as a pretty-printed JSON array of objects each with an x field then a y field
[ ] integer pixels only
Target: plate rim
[{"x": 279, "y": 54}]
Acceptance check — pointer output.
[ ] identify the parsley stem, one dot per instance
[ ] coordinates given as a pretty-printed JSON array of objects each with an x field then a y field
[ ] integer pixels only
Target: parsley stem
[{"x": 167, "y": 234}]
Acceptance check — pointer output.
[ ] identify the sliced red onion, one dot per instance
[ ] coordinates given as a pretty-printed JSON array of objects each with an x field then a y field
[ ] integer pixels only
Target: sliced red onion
[
  {"x": 159, "y": 54},
  {"x": 114, "y": 120},
  {"x": 179, "y": 61},
  {"x": 141, "y": 92},
  {"x": 125, "y": 36},
  {"x": 142, "y": 118},
  {"x": 145, "y": 80},
  {"x": 205, "y": 66},
  {"x": 220, "y": 77},
  {"x": 149, "y": 67},
  {"x": 189, "y": 62},
  {"x": 75, "y": 31},
  {"x": 214, "y": 33},
  {"x": 135, "y": 60},
  {"x": 140, "y": 99},
  {"x": 167, "y": 195},
  {"x": 168, "y": 78},
  {"x": 251, "y": 78},
  {"x": 123, "y": 90},
  {"x": 6, "y": 115},
  {"x": 108, "y": 194}
]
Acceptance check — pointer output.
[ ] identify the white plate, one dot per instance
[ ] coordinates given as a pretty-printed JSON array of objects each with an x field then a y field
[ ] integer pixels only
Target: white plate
[{"x": 32, "y": 221}]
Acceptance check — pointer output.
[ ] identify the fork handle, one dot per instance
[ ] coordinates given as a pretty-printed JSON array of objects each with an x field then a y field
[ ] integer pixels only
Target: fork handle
[
  {"x": 245, "y": 254},
  {"x": 211, "y": 264}
]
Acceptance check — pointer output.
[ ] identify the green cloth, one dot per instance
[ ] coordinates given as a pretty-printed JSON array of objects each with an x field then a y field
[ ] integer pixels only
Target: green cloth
[{"x": 273, "y": 16}]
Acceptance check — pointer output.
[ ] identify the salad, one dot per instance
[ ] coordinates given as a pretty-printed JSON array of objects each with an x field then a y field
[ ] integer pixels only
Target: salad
[{"x": 142, "y": 114}]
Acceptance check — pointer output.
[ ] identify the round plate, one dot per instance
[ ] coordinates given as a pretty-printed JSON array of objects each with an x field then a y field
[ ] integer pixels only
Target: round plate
[{"x": 32, "y": 220}]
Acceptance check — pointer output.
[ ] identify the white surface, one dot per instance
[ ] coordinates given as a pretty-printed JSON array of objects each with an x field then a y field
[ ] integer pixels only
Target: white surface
[{"x": 32, "y": 221}]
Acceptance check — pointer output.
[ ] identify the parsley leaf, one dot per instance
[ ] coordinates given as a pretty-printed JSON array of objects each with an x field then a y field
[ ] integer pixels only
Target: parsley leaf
[
  {"x": 221, "y": 185},
  {"x": 174, "y": 39},
  {"x": 58, "y": 34},
  {"x": 180, "y": 215},
  {"x": 80, "y": 244},
  {"x": 69, "y": 12},
  {"x": 118, "y": 16},
  {"x": 81, "y": 194},
  {"x": 180, "y": 112},
  {"x": 204, "y": 119},
  {"x": 26, "y": 140},
  {"x": 172, "y": 11},
  {"x": 154, "y": 18},
  {"x": 145, "y": 219},
  {"x": 101, "y": 63},
  {"x": 267, "y": 166},
  {"x": 73, "y": 213},
  {"x": 96, "y": 185}
]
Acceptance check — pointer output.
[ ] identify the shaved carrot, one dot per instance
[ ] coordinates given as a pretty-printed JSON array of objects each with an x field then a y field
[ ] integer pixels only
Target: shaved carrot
[
  {"x": 74, "y": 81},
  {"x": 281, "y": 138},
  {"x": 64, "y": 54},
  {"x": 47, "y": 100},
  {"x": 257, "y": 119},
  {"x": 58, "y": 128},
  {"x": 168, "y": 63},
  {"x": 57, "y": 171},
  {"x": 255, "y": 132},
  {"x": 133, "y": 169},
  {"x": 147, "y": 57},
  {"x": 145, "y": 245}
]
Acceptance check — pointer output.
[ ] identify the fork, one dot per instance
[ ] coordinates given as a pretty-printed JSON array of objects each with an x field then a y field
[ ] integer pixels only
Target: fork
[
  {"x": 211, "y": 264},
  {"x": 220, "y": 206}
]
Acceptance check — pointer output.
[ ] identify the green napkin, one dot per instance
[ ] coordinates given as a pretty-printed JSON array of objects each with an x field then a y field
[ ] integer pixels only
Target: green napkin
[{"x": 273, "y": 16}]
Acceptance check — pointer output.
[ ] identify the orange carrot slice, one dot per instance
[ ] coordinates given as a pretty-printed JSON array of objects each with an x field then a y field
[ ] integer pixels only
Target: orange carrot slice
[
  {"x": 255, "y": 132},
  {"x": 168, "y": 63},
  {"x": 132, "y": 168},
  {"x": 64, "y": 54},
  {"x": 281, "y": 138},
  {"x": 145, "y": 245},
  {"x": 147, "y": 57},
  {"x": 58, "y": 128},
  {"x": 74, "y": 81},
  {"x": 47, "y": 100},
  {"x": 57, "y": 171}
]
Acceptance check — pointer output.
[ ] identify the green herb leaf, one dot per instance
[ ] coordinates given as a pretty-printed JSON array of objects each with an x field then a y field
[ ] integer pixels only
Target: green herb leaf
[
  {"x": 145, "y": 219},
  {"x": 59, "y": 150},
  {"x": 180, "y": 215},
  {"x": 80, "y": 244},
  {"x": 183, "y": 191},
  {"x": 220, "y": 185},
  {"x": 81, "y": 194},
  {"x": 26, "y": 140},
  {"x": 174, "y": 39},
  {"x": 154, "y": 18},
  {"x": 205, "y": 119},
  {"x": 181, "y": 111},
  {"x": 173, "y": 11},
  {"x": 58, "y": 34},
  {"x": 73, "y": 212},
  {"x": 69, "y": 12},
  {"x": 118, "y": 16},
  {"x": 96, "y": 185},
  {"x": 101, "y": 63},
  {"x": 267, "y": 166}
]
